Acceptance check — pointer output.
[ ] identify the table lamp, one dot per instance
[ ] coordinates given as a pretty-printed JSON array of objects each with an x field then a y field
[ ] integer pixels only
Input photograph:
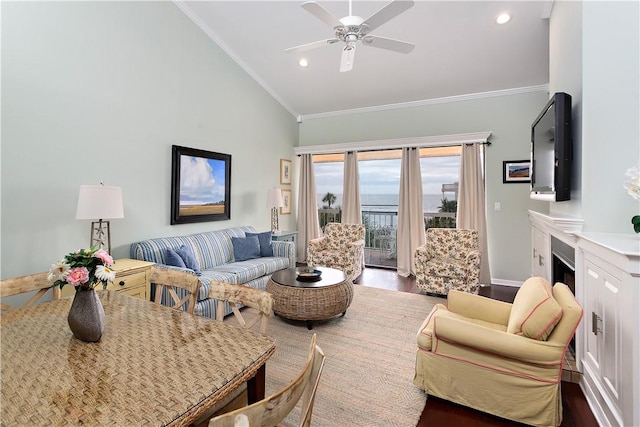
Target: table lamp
[
  {"x": 274, "y": 201},
  {"x": 100, "y": 202}
]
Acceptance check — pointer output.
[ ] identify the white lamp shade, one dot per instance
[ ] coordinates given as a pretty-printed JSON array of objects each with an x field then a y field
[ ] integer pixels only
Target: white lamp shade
[
  {"x": 99, "y": 202},
  {"x": 274, "y": 198}
]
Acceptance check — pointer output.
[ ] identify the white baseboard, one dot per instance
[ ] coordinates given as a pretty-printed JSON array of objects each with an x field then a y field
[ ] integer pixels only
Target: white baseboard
[{"x": 505, "y": 282}]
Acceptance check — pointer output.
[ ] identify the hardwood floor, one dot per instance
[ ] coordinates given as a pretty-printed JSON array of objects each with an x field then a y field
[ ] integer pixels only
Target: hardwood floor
[{"x": 438, "y": 412}]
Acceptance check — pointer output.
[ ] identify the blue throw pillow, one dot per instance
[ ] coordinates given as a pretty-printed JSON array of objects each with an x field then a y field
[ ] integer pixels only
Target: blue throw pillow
[
  {"x": 171, "y": 257},
  {"x": 189, "y": 259},
  {"x": 265, "y": 242},
  {"x": 245, "y": 248}
]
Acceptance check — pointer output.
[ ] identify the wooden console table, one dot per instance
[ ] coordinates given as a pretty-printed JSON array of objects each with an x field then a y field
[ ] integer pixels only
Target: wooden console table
[
  {"x": 132, "y": 278},
  {"x": 284, "y": 236}
]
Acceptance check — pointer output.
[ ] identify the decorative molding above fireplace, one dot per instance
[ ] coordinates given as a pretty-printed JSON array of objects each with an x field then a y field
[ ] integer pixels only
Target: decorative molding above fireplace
[{"x": 561, "y": 224}]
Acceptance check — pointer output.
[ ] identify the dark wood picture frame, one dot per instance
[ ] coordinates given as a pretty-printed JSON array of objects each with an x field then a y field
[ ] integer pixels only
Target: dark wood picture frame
[
  {"x": 516, "y": 171},
  {"x": 206, "y": 194}
]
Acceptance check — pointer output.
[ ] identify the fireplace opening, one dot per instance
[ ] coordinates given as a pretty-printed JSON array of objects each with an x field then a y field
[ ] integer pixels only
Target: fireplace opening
[{"x": 563, "y": 269}]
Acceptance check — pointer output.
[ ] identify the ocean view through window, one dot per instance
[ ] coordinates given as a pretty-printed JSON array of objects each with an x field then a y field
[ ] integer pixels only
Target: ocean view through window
[{"x": 379, "y": 176}]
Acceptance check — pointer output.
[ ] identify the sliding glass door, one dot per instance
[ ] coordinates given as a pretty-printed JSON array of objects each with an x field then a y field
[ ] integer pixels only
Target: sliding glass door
[{"x": 379, "y": 192}]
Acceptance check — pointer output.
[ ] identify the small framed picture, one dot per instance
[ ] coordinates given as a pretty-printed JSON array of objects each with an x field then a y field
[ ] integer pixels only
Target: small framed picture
[
  {"x": 285, "y": 171},
  {"x": 514, "y": 171},
  {"x": 286, "y": 201}
]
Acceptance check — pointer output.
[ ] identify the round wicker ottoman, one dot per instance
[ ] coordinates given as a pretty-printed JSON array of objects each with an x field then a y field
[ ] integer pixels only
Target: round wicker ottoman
[{"x": 301, "y": 300}]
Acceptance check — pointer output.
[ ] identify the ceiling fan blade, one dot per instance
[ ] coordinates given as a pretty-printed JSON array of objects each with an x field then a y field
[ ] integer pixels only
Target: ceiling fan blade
[
  {"x": 322, "y": 14},
  {"x": 348, "y": 54},
  {"x": 309, "y": 46},
  {"x": 388, "y": 12},
  {"x": 389, "y": 44}
]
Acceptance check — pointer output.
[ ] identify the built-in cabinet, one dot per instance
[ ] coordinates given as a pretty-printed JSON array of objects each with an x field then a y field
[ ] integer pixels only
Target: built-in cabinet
[
  {"x": 608, "y": 268},
  {"x": 607, "y": 285}
]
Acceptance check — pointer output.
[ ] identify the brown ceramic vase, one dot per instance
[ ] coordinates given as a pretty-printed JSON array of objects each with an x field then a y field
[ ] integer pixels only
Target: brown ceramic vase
[{"x": 86, "y": 316}]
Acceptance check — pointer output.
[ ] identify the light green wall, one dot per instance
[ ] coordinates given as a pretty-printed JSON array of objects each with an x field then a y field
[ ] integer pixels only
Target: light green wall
[
  {"x": 594, "y": 57},
  {"x": 611, "y": 113},
  {"x": 99, "y": 91},
  {"x": 507, "y": 117},
  {"x": 565, "y": 75}
]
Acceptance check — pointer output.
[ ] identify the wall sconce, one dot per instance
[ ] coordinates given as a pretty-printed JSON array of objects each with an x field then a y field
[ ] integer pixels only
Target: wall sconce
[
  {"x": 274, "y": 201},
  {"x": 100, "y": 202}
]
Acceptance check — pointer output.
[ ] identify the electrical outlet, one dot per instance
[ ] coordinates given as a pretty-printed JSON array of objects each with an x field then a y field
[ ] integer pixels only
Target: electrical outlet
[{"x": 497, "y": 206}]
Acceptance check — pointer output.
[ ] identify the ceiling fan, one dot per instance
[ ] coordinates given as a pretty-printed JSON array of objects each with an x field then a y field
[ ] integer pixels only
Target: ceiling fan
[{"x": 352, "y": 29}]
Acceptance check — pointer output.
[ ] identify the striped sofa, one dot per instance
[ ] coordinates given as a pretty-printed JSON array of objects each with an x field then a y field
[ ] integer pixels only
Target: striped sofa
[{"x": 214, "y": 253}]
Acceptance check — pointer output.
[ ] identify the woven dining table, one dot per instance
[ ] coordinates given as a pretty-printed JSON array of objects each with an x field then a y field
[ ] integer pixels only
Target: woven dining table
[{"x": 152, "y": 366}]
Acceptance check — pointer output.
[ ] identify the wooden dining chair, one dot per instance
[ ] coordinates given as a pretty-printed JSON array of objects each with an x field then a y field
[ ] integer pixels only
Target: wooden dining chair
[
  {"x": 19, "y": 285},
  {"x": 238, "y": 296},
  {"x": 273, "y": 409},
  {"x": 166, "y": 279}
]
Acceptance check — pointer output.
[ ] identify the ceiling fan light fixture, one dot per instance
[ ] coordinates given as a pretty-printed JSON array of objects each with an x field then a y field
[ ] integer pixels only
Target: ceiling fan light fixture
[
  {"x": 503, "y": 18},
  {"x": 352, "y": 28}
]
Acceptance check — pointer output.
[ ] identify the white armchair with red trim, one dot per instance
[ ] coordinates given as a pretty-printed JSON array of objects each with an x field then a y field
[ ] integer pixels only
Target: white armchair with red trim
[{"x": 500, "y": 358}]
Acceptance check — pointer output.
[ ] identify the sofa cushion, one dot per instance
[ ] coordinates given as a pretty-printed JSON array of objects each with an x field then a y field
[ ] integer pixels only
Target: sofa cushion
[
  {"x": 245, "y": 271},
  {"x": 426, "y": 331},
  {"x": 189, "y": 258},
  {"x": 535, "y": 312},
  {"x": 171, "y": 257},
  {"x": 265, "y": 243},
  {"x": 245, "y": 248},
  {"x": 208, "y": 276},
  {"x": 215, "y": 248},
  {"x": 153, "y": 250}
]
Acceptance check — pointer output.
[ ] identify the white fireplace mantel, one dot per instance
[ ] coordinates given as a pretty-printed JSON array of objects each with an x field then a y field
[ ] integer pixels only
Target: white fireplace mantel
[{"x": 557, "y": 224}]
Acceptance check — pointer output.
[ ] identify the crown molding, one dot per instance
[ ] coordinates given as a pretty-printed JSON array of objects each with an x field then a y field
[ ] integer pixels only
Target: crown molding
[
  {"x": 433, "y": 101},
  {"x": 217, "y": 40}
]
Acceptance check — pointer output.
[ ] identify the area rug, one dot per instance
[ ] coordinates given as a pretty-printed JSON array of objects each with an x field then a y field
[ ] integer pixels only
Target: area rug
[{"x": 370, "y": 356}]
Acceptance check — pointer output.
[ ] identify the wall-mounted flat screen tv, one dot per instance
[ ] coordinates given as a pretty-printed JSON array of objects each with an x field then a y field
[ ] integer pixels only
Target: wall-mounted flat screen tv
[{"x": 551, "y": 151}]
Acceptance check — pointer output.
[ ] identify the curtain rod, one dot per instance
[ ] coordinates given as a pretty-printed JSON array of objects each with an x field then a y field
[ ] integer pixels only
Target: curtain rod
[{"x": 388, "y": 144}]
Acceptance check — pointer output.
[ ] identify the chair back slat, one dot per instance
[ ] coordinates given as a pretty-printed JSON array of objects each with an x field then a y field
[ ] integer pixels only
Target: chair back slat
[
  {"x": 23, "y": 284},
  {"x": 166, "y": 279},
  {"x": 238, "y": 296},
  {"x": 272, "y": 410}
]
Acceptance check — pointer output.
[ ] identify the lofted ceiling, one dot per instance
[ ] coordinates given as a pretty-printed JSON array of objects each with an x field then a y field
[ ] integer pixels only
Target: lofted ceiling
[{"x": 459, "y": 51}]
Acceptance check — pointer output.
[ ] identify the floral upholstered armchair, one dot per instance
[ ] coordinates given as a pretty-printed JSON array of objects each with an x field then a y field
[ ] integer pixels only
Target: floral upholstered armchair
[
  {"x": 342, "y": 247},
  {"x": 450, "y": 259}
]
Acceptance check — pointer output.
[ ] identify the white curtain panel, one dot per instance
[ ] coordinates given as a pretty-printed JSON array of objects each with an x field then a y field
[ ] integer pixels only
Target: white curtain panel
[
  {"x": 410, "y": 213},
  {"x": 471, "y": 202},
  {"x": 351, "y": 209},
  {"x": 308, "y": 223}
]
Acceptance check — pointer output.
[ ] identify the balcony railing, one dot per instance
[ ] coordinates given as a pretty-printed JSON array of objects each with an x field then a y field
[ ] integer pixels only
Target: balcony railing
[{"x": 381, "y": 231}]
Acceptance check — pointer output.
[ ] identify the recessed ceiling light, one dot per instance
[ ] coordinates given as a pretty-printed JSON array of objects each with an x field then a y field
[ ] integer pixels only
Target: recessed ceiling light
[
  {"x": 303, "y": 62},
  {"x": 503, "y": 18}
]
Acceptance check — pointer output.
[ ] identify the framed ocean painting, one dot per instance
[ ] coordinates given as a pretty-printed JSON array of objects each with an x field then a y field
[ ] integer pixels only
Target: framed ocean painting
[{"x": 200, "y": 185}]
